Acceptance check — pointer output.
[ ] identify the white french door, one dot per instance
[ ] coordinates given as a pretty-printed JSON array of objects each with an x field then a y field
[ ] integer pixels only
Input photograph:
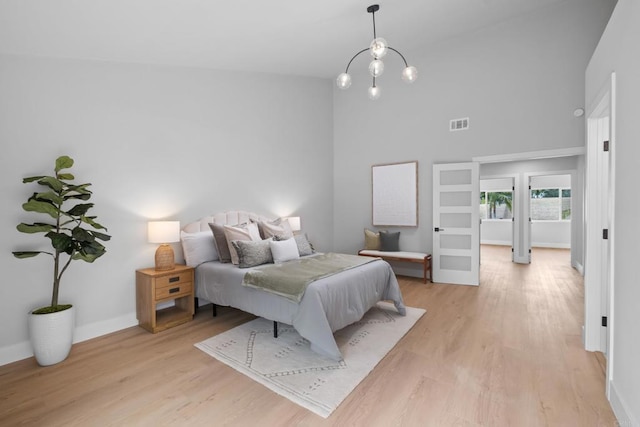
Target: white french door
[{"x": 456, "y": 223}]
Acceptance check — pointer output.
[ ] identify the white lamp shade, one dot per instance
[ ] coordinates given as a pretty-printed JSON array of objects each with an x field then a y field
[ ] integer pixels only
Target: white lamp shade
[
  {"x": 294, "y": 222},
  {"x": 164, "y": 231}
]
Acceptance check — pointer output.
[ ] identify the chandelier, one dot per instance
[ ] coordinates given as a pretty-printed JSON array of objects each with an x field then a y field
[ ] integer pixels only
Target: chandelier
[{"x": 378, "y": 49}]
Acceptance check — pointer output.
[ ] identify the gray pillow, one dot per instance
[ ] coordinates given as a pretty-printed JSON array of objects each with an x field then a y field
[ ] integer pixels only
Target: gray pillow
[
  {"x": 304, "y": 246},
  {"x": 252, "y": 253},
  {"x": 389, "y": 242},
  {"x": 220, "y": 241}
]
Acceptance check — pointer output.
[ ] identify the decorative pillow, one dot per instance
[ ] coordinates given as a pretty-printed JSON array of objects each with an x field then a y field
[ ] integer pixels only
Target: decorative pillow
[
  {"x": 371, "y": 240},
  {"x": 284, "y": 250},
  {"x": 220, "y": 240},
  {"x": 252, "y": 253},
  {"x": 389, "y": 242},
  {"x": 198, "y": 247},
  {"x": 247, "y": 231},
  {"x": 279, "y": 227},
  {"x": 302, "y": 241},
  {"x": 304, "y": 245}
]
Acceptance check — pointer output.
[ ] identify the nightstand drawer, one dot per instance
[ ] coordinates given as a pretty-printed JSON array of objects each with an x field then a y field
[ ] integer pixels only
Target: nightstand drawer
[
  {"x": 173, "y": 279},
  {"x": 173, "y": 290}
]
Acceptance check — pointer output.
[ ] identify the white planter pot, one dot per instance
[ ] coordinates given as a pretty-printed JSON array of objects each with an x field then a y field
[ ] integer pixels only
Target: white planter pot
[{"x": 52, "y": 335}]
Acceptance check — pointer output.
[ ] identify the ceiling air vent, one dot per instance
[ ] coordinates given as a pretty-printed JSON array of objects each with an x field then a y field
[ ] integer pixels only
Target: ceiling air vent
[{"x": 459, "y": 124}]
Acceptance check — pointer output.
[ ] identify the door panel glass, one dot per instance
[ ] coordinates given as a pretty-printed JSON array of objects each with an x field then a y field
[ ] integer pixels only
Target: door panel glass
[
  {"x": 460, "y": 263},
  {"x": 455, "y": 220},
  {"x": 455, "y": 198},
  {"x": 455, "y": 241},
  {"x": 455, "y": 177}
]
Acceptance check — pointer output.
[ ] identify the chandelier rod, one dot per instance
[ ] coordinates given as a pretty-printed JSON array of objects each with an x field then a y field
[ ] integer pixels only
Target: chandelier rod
[{"x": 373, "y": 14}]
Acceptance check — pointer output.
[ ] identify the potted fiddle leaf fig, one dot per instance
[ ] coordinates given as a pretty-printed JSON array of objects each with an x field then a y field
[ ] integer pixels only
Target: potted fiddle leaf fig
[{"x": 73, "y": 235}]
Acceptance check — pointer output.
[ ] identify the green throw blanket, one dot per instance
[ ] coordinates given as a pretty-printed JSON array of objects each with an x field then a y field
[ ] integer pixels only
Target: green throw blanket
[{"x": 290, "y": 279}]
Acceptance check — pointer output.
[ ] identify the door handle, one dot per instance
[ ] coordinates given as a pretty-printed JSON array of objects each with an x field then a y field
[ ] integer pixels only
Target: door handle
[{"x": 437, "y": 229}]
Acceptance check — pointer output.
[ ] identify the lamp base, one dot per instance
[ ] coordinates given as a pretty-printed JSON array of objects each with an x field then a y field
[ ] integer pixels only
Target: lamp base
[{"x": 165, "y": 259}]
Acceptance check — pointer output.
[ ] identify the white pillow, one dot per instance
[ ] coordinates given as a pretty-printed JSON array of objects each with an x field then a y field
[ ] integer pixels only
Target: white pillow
[
  {"x": 284, "y": 250},
  {"x": 198, "y": 247},
  {"x": 247, "y": 231}
]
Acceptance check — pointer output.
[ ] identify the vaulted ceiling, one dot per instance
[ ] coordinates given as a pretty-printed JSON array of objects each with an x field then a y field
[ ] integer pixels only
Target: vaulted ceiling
[{"x": 296, "y": 37}]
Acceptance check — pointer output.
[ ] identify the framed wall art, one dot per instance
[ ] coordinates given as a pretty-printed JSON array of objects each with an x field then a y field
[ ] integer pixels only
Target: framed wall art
[{"x": 395, "y": 194}]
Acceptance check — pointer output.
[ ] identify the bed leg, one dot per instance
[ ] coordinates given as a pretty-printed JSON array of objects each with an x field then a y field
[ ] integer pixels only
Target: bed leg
[
  {"x": 275, "y": 329},
  {"x": 215, "y": 312}
]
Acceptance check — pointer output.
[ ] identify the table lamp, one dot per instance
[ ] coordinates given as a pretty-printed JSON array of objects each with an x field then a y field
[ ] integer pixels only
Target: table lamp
[
  {"x": 164, "y": 232},
  {"x": 294, "y": 222}
]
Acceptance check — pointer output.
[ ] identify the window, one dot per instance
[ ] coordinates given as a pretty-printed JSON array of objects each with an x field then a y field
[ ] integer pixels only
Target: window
[
  {"x": 551, "y": 204},
  {"x": 496, "y": 204}
]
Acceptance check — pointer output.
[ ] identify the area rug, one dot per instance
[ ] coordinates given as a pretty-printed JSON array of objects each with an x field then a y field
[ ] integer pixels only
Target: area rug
[{"x": 287, "y": 366}]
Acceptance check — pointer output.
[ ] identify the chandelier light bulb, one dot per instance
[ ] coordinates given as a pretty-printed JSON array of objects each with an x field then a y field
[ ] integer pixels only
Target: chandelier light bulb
[
  {"x": 376, "y": 68},
  {"x": 410, "y": 74},
  {"x": 374, "y": 93},
  {"x": 344, "y": 81},
  {"x": 378, "y": 48}
]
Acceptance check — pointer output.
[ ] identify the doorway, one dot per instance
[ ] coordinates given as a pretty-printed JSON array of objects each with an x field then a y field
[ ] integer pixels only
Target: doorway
[{"x": 497, "y": 214}]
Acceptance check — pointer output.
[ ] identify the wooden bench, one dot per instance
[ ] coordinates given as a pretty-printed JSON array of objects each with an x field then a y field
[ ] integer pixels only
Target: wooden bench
[{"x": 417, "y": 257}]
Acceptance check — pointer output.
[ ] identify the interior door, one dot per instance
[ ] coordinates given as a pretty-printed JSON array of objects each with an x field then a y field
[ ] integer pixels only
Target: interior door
[{"x": 456, "y": 223}]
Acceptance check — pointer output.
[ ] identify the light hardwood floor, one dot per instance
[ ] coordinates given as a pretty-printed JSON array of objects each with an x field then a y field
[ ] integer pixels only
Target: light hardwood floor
[{"x": 506, "y": 353}]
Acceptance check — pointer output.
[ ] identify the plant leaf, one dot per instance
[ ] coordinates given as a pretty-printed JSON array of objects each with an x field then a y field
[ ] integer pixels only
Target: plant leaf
[
  {"x": 60, "y": 241},
  {"x": 66, "y": 176},
  {"x": 50, "y": 196},
  {"x": 37, "y": 227},
  {"x": 90, "y": 220},
  {"x": 41, "y": 207},
  {"x": 63, "y": 162},
  {"x": 101, "y": 236},
  {"x": 52, "y": 183},
  {"x": 82, "y": 235},
  {"x": 89, "y": 252},
  {"x": 27, "y": 254},
  {"x": 32, "y": 178},
  {"x": 80, "y": 209},
  {"x": 84, "y": 196}
]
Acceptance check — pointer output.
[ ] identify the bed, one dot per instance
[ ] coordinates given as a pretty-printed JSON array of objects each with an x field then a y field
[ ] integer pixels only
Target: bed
[{"x": 327, "y": 305}]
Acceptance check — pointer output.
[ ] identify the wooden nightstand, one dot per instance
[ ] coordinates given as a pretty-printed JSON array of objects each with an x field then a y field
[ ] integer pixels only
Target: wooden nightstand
[{"x": 153, "y": 287}]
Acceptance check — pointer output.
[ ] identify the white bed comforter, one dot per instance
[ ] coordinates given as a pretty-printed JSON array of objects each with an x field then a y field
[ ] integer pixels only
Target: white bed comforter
[{"x": 329, "y": 304}]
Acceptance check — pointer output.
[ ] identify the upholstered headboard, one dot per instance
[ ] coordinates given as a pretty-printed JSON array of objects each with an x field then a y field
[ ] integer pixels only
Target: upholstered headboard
[{"x": 229, "y": 218}]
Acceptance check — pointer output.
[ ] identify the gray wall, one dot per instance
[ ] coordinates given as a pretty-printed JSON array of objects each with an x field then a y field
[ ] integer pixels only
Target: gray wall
[
  {"x": 518, "y": 82},
  {"x": 156, "y": 142},
  {"x": 618, "y": 51}
]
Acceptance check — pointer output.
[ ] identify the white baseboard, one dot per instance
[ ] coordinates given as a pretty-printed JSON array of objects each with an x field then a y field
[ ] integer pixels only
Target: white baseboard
[
  {"x": 621, "y": 409},
  {"x": 97, "y": 329},
  {"x": 579, "y": 268},
  {"x": 406, "y": 271},
  {"x": 551, "y": 245},
  {"x": 22, "y": 350},
  {"x": 14, "y": 352},
  {"x": 496, "y": 242}
]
